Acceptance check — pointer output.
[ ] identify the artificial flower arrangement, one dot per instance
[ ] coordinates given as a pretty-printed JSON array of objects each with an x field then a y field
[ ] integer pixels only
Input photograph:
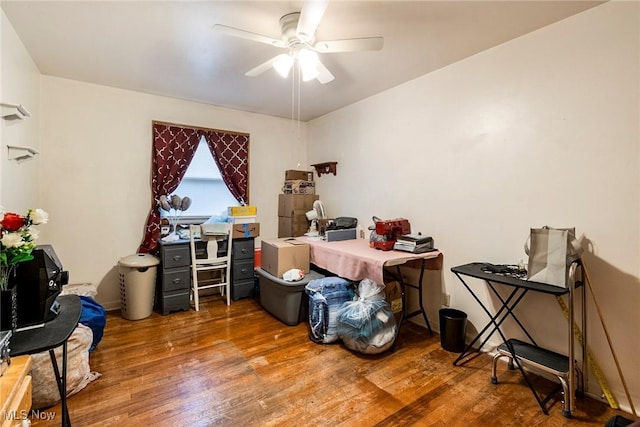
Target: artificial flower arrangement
[{"x": 17, "y": 240}]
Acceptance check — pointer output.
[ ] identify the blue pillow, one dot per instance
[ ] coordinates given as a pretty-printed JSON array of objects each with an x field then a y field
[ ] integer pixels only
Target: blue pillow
[{"x": 94, "y": 316}]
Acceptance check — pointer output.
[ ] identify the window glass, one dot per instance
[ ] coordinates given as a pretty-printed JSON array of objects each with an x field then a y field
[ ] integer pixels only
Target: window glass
[{"x": 203, "y": 184}]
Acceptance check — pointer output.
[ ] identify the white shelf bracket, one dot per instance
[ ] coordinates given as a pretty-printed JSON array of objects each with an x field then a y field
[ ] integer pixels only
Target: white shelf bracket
[
  {"x": 18, "y": 111},
  {"x": 20, "y": 153}
]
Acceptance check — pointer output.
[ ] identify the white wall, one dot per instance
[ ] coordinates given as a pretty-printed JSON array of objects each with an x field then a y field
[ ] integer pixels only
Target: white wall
[
  {"x": 96, "y": 161},
  {"x": 541, "y": 130},
  {"x": 19, "y": 84}
]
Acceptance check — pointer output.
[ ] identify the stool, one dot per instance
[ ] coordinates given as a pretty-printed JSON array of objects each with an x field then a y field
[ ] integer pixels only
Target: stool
[{"x": 542, "y": 360}]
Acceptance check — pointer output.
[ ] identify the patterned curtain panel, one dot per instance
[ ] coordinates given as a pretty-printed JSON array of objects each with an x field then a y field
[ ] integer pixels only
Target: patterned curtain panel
[
  {"x": 173, "y": 149},
  {"x": 231, "y": 153}
]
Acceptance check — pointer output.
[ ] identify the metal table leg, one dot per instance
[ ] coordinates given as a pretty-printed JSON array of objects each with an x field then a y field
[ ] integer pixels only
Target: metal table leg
[{"x": 61, "y": 381}]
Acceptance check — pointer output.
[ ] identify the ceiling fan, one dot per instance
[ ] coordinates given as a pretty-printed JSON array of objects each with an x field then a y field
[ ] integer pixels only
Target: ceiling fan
[{"x": 298, "y": 36}]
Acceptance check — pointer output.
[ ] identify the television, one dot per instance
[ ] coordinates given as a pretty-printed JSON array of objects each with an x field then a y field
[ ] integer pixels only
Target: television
[{"x": 39, "y": 282}]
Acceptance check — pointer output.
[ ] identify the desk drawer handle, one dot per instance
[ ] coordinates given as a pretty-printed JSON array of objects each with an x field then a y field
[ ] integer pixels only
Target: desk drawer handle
[
  {"x": 244, "y": 270},
  {"x": 176, "y": 281},
  {"x": 243, "y": 250},
  {"x": 177, "y": 257}
]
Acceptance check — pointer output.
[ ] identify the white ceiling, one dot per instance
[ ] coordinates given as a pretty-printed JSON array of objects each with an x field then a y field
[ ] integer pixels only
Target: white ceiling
[{"x": 168, "y": 48}]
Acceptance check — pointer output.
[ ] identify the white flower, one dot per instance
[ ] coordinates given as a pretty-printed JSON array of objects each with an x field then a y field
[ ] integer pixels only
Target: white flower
[
  {"x": 35, "y": 233},
  {"x": 12, "y": 240},
  {"x": 38, "y": 216}
]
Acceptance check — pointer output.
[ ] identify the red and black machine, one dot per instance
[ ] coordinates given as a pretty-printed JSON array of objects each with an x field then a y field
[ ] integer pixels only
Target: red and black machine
[{"x": 387, "y": 232}]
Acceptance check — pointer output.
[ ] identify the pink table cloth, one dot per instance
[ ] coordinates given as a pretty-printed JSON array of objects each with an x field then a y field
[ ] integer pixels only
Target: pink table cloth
[{"x": 355, "y": 260}]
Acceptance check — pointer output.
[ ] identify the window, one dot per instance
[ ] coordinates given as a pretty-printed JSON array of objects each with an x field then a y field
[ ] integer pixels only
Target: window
[
  {"x": 203, "y": 184},
  {"x": 172, "y": 145}
]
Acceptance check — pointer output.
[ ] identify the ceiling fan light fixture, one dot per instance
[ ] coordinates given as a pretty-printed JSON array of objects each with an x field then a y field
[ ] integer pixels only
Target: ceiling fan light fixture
[
  {"x": 308, "y": 61},
  {"x": 283, "y": 64},
  {"x": 308, "y": 58},
  {"x": 309, "y": 73}
]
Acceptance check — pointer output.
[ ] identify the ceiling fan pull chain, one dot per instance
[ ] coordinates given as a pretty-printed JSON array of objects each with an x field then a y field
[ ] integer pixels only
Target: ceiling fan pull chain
[{"x": 298, "y": 77}]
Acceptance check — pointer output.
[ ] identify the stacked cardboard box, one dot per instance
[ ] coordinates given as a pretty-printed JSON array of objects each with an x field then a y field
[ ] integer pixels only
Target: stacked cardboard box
[
  {"x": 292, "y": 221},
  {"x": 298, "y": 182},
  {"x": 243, "y": 231},
  {"x": 241, "y": 214},
  {"x": 298, "y": 175},
  {"x": 243, "y": 220},
  {"x": 299, "y": 186},
  {"x": 246, "y": 210}
]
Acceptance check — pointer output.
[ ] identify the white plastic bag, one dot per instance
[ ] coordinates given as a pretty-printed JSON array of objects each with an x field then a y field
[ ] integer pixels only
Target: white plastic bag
[
  {"x": 293, "y": 275},
  {"x": 367, "y": 324}
]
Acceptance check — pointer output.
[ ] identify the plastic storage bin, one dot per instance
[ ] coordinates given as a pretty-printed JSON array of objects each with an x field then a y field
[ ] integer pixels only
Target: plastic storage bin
[
  {"x": 453, "y": 329},
  {"x": 284, "y": 300},
  {"x": 137, "y": 285}
]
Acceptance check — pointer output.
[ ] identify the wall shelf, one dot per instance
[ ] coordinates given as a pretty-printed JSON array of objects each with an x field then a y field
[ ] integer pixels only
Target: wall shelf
[
  {"x": 21, "y": 153},
  {"x": 326, "y": 167},
  {"x": 16, "y": 111}
]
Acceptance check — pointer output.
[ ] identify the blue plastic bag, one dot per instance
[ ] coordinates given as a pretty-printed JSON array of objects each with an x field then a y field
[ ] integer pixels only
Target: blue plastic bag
[{"x": 326, "y": 296}]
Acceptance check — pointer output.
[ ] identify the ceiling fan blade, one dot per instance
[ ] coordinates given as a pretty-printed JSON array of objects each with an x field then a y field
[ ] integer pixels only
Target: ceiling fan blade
[
  {"x": 349, "y": 45},
  {"x": 247, "y": 35},
  {"x": 324, "y": 75},
  {"x": 262, "y": 67},
  {"x": 310, "y": 16}
]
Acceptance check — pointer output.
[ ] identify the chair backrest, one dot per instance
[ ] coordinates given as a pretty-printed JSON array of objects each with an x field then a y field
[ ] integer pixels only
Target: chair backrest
[{"x": 214, "y": 237}]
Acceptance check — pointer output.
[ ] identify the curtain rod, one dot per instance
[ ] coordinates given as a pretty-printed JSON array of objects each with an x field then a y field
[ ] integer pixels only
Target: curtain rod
[{"x": 199, "y": 128}]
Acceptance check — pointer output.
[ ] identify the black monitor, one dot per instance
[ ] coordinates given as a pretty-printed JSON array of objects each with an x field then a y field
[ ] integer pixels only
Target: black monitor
[{"x": 39, "y": 282}]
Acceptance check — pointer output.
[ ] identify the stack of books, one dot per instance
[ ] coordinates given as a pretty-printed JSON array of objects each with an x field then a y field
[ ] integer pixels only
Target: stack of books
[{"x": 415, "y": 243}]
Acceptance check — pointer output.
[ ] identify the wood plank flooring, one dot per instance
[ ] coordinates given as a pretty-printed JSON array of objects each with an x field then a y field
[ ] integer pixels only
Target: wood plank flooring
[{"x": 239, "y": 366}]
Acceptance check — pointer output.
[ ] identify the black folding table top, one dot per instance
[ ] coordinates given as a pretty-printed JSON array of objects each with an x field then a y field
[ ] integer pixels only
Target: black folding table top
[
  {"x": 475, "y": 269},
  {"x": 53, "y": 333}
]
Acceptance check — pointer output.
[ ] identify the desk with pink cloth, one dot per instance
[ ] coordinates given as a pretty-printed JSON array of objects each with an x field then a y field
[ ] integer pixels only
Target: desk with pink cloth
[{"x": 355, "y": 260}]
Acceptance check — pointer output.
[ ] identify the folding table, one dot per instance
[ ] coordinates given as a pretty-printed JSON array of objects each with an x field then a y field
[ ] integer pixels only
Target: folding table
[
  {"x": 519, "y": 352},
  {"x": 53, "y": 334}
]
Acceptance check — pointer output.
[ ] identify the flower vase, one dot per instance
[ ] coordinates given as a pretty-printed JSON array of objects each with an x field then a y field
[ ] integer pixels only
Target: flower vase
[{"x": 9, "y": 309}]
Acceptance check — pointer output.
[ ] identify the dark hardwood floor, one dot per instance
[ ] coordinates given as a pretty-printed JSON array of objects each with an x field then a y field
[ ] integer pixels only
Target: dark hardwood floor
[{"x": 239, "y": 366}]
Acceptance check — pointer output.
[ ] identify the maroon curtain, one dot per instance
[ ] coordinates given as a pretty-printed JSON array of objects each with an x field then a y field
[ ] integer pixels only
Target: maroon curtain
[
  {"x": 231, "y": 153},
  {"x": 173, "y": 149}
]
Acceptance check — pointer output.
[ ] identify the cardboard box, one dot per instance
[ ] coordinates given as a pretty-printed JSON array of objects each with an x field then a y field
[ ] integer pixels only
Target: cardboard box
[
  {"x": 288, "y": 204},
  {"x": 240, "y": 231},
  {"x": 295, "y": 174},
  {"x": 393, "y": 294},
  {"x": 293, "y": 226},
  {"x": 281, "y": 255},
  {"x": 242, "y": 210},
  {"x": 298, "y": 186},
  {"x": 241, "y": 219}
]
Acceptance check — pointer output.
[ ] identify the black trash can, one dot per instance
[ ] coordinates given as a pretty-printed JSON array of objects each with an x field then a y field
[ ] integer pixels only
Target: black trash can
[{"x": 453, "y": 328}]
